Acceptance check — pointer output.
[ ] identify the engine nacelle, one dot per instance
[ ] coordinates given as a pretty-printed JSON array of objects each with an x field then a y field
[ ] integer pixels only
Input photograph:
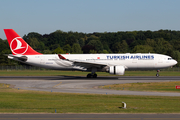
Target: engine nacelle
[{"x": 117, "y": 70}]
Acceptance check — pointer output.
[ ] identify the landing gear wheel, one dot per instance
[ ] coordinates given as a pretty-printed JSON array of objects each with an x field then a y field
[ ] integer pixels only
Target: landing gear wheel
[
  {"x": 88, "y": 75},
  {"x": 95, "y": 76},
  {"x": 92, "y": 75},
  {"x": 157, "y": 75}
]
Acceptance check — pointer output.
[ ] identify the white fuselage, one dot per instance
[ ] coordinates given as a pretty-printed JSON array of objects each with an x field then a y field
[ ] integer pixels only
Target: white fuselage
[{"x": 129, "y": 61}]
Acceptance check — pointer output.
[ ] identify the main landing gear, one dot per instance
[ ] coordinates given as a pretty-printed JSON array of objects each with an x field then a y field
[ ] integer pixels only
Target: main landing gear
[
  {"x": 92, "y": 75},
  {"x": 157, "y": 75}
]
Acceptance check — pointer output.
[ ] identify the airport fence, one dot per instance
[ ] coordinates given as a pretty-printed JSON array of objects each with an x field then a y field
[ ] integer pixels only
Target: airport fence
[{"x": 25, "y": 67}]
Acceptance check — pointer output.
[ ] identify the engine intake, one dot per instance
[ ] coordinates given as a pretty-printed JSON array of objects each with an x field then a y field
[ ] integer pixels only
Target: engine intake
[{"x": 117, "y": 70}]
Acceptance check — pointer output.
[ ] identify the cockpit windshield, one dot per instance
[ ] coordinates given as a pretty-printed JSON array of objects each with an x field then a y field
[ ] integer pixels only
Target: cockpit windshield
[{"x": 169, "y": 58}]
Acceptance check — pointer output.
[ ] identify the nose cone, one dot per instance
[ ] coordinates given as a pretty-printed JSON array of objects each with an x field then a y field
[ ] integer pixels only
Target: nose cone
[{"x": 175, "y": 62}]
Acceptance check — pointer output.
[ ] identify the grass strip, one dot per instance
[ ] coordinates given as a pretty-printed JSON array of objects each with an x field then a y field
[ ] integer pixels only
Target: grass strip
[{"x": 145, "y": 86}]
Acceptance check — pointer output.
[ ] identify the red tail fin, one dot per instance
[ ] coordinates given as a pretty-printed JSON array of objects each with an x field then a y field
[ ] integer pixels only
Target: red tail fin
[{"x": 17, "y": 44}]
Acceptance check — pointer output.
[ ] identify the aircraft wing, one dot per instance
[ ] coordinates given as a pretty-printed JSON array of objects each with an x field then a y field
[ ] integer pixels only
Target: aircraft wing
[{"x": 87, "y": 64}]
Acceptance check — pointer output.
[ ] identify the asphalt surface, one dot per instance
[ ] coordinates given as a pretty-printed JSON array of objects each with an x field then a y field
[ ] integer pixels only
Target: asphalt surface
[
  {"x": 89, "y": 116},
  {"x": 70, "y": 84}
]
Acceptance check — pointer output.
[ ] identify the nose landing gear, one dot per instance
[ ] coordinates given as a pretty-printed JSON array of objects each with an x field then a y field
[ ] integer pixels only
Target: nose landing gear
[{"x": 157, "y": 75}]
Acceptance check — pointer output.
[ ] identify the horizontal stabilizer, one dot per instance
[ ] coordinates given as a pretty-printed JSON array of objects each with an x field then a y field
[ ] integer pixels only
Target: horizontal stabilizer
[{"x": 21, "y": 58}]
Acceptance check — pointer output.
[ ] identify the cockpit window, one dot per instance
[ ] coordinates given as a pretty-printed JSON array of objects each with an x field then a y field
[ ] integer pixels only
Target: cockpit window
[{"x": 169, "y": 58}]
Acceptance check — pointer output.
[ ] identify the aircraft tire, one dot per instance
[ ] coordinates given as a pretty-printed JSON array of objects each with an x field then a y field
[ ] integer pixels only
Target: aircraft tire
[
  {"x": 88, "y": 75},
  {"x": 95, "y": 76}
]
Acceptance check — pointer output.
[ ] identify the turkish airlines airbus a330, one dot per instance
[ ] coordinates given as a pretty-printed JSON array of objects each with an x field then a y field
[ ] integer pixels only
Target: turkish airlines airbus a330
[{"x": 112, "y": 63}]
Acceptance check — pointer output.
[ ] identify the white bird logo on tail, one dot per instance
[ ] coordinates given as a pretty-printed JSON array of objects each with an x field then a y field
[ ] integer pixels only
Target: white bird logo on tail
[{"x": 19, "y": 45}]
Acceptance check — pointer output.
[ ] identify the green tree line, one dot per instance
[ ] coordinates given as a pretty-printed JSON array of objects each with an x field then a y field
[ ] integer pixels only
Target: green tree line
[{"x": 161, "y": 41}]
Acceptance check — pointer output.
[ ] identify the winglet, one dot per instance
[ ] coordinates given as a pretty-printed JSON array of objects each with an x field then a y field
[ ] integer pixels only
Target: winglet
[
  {"x": 18, "y": 45},
  {"x": 61, "y": 57}
]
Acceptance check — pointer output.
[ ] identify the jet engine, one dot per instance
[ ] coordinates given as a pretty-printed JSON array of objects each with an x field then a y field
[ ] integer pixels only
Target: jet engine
[{"x": 117, "y": 70}]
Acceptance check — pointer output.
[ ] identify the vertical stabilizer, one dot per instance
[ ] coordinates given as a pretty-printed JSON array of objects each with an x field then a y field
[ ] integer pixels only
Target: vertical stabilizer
[{"x": 17, "y": 44}]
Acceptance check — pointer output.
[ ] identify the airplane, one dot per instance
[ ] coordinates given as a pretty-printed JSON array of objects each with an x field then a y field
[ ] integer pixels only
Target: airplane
[{"x": 113, "y": 63}]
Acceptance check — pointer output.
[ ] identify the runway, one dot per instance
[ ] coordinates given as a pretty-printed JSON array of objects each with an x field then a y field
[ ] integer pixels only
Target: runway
[
  {"x": 70, "y": 84},
  {"x": 89, "y": 116}
]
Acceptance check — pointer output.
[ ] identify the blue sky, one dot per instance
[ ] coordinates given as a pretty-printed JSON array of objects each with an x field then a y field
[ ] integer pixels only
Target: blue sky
[{"x": 88, "y": 16}]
